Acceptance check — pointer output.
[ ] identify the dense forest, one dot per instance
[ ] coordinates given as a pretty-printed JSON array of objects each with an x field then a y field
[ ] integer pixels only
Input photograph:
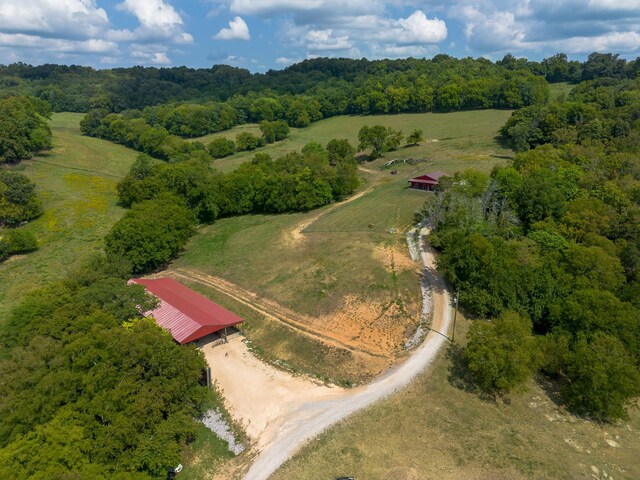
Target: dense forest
[
  {"x": 90, "y": 389},
  {"x": 331, "y": 81},
  {"x": 24, "y": 129},
  {"x": 550, "y": 244},
  {"x": 157, "y": 130}
]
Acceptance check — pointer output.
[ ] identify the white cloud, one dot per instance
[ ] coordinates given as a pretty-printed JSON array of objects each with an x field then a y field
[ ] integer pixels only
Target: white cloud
[
  {"x": 402, "y": 51},
  {"x": 415, "y": 29},
  {"x": 41, "y": 29},
  {"x": 284, "y": 61},
  {"x": 572, "y": 26},
  {"x": 160, "y": 58},
  {"x": 325, "y": 40},
  {"x": 152, "y": 13},
  {"x": 238, "y": 30},
  {"x": 158, "y": 20},
  {"x": 614, "y": 4},
  {"x": 20, "y": 40},
  {"x": 150, "y": 54},
  {"x": 316, "y": 8},
  {"x": 620, "y": 42},
  {"x": 66, "y": 18},
  {"x": 491, "y": 31},
  {"x": 380, "y": 36},
  {"x": 266, "y": 7}
]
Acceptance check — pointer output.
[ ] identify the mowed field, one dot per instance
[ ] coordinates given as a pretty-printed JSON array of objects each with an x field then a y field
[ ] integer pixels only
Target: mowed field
[
  {"x": 464, "y": 139},
  {"x": 76, "y": 181},
  {"x": 342, "y": 271},
  {"x": 441, "y": 427}
]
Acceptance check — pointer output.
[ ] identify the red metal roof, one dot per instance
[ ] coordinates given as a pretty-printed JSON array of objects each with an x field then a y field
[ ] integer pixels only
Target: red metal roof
[
  {"x": 430, "y": 178},
  {"x": 185, "y": 313}
]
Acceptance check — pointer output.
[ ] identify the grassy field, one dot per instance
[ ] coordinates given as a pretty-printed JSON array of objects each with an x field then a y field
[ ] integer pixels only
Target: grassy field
[
  {"x": 464, "y": 138},
  {"x": 254, "y": 251},
  {"x": 76, "y": 181},
  {"x": 440, "y": 427},
  {"x": 352, "y": 261},
  {"x": 560, "y": 89}
]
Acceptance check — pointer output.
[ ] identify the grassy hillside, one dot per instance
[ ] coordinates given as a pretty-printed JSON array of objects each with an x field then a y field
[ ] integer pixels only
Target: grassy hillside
[
  {"x": 464, "y": 138},
  {"x": 440, "y": 427},
  {"x": 76, "y": 181},
  {"x": 348, "y": 274}
]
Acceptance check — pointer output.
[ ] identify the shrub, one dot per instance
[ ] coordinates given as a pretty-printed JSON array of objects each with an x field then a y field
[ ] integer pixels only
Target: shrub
[
  {"x": 221, "y": 147},
  {"x": 247, "y": 141}
]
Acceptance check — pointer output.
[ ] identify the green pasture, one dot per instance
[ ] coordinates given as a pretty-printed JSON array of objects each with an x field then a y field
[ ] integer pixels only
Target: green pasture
[
  {"x": 76, "y": 181},
  {"x": 463, "y": 138},
  {"x": 336, "y": 257},
  {"x": 389, "y": 206}
]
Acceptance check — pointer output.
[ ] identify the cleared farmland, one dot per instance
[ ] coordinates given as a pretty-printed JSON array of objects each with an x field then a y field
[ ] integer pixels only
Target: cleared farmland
[
  {"x": 77, "y": 183},
  {"x": 464, "y": 139}
]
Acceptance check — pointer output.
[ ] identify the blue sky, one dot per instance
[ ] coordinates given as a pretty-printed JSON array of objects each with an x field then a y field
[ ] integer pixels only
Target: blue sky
[{"x": 264, "y": 34}]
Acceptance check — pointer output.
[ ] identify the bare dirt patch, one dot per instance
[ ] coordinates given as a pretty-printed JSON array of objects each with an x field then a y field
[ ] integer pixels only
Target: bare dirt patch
[
  {"x": 376, "y": 329},
  {"x": 256, "y": 394},
  {"x": 302, "y": 323},
  {"x": 393, "y": 258}
]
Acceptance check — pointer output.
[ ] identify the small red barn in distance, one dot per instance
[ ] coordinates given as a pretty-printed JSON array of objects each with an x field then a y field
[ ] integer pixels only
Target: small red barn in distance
[
  {"x": 185, "y": 313},
  {"x": 426, "y": 182}
]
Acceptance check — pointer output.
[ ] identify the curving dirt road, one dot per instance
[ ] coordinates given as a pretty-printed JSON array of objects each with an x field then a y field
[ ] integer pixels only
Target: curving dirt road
[{"x": 310, "y": 418}]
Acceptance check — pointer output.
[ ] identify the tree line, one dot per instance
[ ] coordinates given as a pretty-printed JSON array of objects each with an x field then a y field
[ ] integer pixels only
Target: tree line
[
  {"x": 547, "y": 250},
  {"x": 167, "y": 200},
  {"x": 402, "y": 92},
  {"x": 328, "y": 80},
  {"x": 601, "y": 110},
  {"x": 24, "y": 131},
  {"x": 155, "y": 140},
  {"x": 18, "y": 204}
]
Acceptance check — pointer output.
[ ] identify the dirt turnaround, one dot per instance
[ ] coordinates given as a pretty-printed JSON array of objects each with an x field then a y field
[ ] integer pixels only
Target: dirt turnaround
[{"x": 281, "y": 413}]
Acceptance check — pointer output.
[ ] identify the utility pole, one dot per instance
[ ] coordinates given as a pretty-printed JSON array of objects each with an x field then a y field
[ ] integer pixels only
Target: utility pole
[{"x": 455, "y": 315}]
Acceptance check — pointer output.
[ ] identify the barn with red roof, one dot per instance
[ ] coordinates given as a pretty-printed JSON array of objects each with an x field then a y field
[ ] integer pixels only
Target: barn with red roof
[
  {"x": 426, "y": 182},
  {"x": 186, "y": 314}
]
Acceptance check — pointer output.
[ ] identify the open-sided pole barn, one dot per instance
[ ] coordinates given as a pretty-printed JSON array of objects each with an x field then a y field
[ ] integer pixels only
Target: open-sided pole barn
[{"x": 186, "y": 314}]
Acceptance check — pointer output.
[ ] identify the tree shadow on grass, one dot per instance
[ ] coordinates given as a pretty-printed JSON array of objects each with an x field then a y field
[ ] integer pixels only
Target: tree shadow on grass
[
  {"x": 552, "y": 387},
  {"x": 459, "y": 376}
]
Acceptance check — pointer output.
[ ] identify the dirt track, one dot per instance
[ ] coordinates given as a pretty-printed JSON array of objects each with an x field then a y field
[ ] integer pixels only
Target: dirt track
[
  {"x": 282, "y": 414},
  {"x": 296, "y": 235},
  {"x": 303, "y": 324}
]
